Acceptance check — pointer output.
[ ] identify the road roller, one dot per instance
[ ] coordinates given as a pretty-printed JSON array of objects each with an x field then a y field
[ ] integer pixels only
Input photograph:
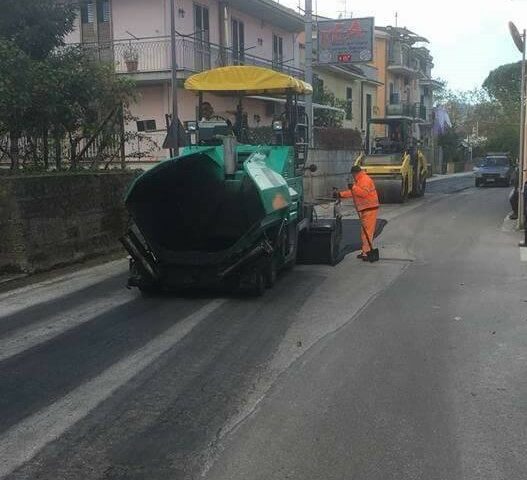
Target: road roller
[
  {"x": 394, "y": 159},
  {"x": 227, "y": 212}
]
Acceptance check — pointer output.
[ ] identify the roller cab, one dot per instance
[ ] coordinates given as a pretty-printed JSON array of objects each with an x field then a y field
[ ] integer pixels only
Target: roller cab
[{"x": 394, "y": 160}]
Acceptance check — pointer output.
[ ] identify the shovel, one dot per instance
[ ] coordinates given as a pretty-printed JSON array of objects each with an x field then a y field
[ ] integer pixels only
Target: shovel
[{"x": 373, "y": 254}]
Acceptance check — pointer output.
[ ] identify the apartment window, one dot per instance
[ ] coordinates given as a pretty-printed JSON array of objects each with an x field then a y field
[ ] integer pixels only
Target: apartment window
[
  {"x": 278, "y": 50},
  {"x": 202, "y": 36},
  {"x": 88, "y": 12},
  {"x": 395, "y": 98},
  {"x": 349, "y": 103},
  {"x": 238, "y": 40},
  {"x": 146, "y": 125},
  {"x": 369, "y": 106},
  {"x": 103, "y": 11},
  {"x": 99, "y": 9},
  {"x": 201, "y": 22}
]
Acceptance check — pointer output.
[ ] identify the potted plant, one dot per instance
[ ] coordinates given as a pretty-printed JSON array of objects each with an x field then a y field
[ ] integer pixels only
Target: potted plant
[{"x": 131, "y": 58}]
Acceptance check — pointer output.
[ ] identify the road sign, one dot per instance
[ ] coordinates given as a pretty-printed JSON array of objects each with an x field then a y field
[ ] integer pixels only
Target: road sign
[{"x": 345, "y": 41}]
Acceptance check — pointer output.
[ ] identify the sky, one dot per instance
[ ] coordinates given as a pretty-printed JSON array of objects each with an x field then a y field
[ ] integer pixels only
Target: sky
[{"x": 468, "y": 38}]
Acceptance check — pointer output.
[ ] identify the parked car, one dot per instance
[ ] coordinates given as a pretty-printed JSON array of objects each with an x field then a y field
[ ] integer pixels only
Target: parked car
[{"x": 494, "y": 169}]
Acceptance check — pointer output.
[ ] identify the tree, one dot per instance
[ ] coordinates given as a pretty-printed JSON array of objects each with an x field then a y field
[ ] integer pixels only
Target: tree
[
  {"x": 492, "y": 112},
  {"x": 16, "y": 86},
  {"x": 49, "y": 93},
  {"x": 504, "y": 138},
  {"x": 326, "y": 117},
  {"x": 504, "y": 85},
  {"x": 84, "y": 93},
  {"x": 36, "y": 27}
]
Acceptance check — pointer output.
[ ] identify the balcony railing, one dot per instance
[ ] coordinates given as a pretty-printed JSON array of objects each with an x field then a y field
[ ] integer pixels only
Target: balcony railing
[
  {"x": 404, "y": 61},
  {"x": 149, "y": 55},
  {"x": 421, "y": 112},
  {"x": 399, "y": 109},
  {"x": 404, "y": 109},
  {"x": 399, "y": 59}
]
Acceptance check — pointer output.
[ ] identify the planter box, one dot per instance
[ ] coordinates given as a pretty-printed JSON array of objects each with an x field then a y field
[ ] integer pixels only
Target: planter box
[{"x": 131, "y": 65}]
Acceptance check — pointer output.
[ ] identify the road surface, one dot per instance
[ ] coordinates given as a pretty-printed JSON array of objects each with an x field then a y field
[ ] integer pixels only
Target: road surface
[{"x": 412, "y": 368}]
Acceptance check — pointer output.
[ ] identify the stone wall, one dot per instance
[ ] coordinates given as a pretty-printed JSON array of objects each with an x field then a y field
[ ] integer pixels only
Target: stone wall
[
  {"x": 51, "y": 220},
  {"x": 333, "y": 170}
]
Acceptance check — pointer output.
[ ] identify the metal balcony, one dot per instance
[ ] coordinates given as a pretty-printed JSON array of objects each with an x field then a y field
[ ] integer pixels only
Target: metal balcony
[
  {"x": 416, "y": 111},
  {"x": 399, "y": 110},
  {"x": 150, "y": 56},
  {"x": 401, "y": 64}
]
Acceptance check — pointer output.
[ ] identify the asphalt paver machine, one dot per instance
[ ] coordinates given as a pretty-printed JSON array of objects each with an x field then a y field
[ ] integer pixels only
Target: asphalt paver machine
[{"x": 226, "y": 212}]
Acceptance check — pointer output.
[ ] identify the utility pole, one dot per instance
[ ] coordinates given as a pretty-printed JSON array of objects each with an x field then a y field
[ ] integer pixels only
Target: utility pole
[
  {"x": 523, "y": 163},
  {"x": 520, "y": 41},
  {"x": 308, "y": 29},
  {"x": 175, "y": 118}
]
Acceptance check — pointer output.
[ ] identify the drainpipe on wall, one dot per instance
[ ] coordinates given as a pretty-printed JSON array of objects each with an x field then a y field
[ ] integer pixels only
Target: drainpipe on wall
[
  {"x": 362, "y": 105},
  {"x": 308, "y": 29},
  {"x": 224, "y": 32}
]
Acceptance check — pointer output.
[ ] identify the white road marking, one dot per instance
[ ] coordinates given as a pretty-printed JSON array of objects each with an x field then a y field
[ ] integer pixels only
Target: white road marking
[
  {"x": 21, "y": 298},
  {"x": 438, "y": 178},
  {"x": 523, "y": 254},
  {"x": 40, "y": 332},
  {"x": 23, "y": 441}
]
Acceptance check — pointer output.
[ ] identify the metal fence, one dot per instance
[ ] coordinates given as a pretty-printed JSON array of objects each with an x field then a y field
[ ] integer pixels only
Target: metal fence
[
  {"x": 104, "y": 151},
  {"x": 153, "y": 54}
]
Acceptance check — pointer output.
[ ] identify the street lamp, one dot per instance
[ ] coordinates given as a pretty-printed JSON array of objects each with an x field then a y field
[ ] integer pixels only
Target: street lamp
[{"x": 520, "y": 40}]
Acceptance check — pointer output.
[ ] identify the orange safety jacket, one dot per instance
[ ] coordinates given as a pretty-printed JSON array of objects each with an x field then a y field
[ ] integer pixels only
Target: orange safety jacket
[{"x": 363, "y": 192}]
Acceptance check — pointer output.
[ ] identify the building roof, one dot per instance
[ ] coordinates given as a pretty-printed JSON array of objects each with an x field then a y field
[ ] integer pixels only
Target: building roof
[
  {"x": 365, "y": 73},
  {"x": 271, "y": 12},
  {"x": 403, "y": 34}
]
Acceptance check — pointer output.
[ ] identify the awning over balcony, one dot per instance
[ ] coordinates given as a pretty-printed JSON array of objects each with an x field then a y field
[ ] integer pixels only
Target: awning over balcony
[
  {"x": 271, "y": 12},
  {"x": 246, "y": 80}
]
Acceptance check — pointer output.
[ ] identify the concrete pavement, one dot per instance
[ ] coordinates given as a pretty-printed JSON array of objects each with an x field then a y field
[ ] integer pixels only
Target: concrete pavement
[
  {"x": 427, "y": 382},
  {"x": 409, "y": 368}
]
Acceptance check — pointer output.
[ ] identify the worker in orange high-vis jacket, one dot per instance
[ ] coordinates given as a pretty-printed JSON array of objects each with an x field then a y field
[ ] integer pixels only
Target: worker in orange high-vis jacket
[{"x": 364, "y": 194}]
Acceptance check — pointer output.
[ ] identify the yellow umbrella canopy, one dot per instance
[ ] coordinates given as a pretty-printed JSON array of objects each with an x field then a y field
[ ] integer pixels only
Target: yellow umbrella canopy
[{"x": 246, "y": 80}]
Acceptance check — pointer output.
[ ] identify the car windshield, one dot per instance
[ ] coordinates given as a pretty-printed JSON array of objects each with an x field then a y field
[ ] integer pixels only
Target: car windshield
[{"x": 495, "y": 162}]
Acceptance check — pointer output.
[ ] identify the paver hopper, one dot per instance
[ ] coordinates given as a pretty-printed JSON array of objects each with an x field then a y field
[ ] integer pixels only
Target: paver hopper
[{"x": 224, "y": 212}]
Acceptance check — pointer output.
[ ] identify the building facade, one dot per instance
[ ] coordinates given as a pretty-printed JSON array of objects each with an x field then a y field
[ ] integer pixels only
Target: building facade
[
  {"x": 405, "y": 72},
  {"x": 355, "y": 87},
  {"x": 135, "y": 36}
]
